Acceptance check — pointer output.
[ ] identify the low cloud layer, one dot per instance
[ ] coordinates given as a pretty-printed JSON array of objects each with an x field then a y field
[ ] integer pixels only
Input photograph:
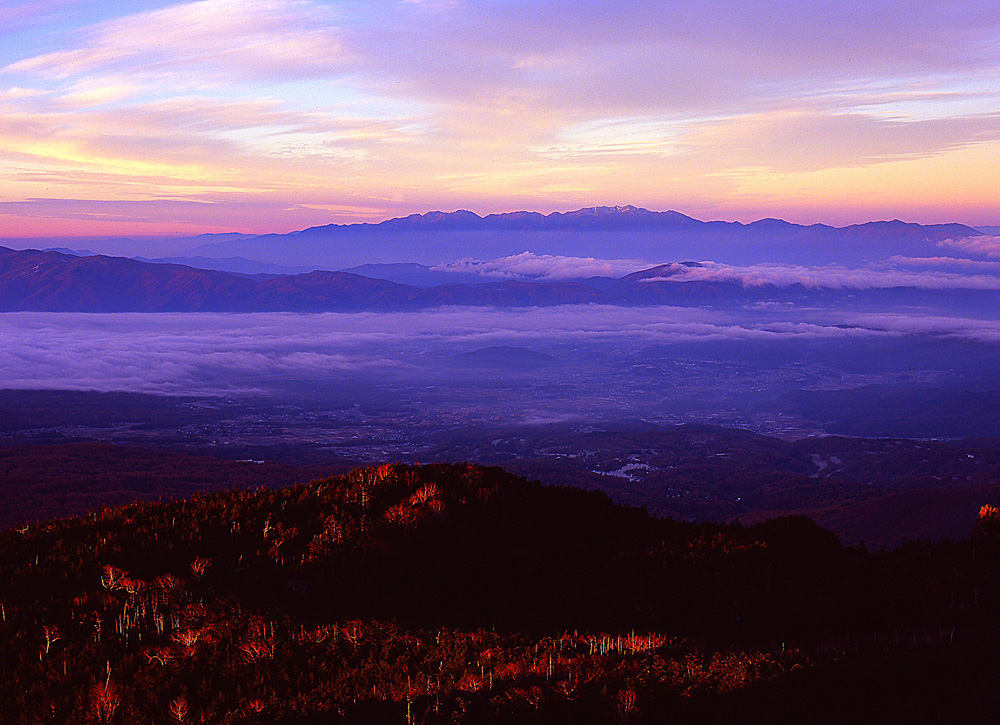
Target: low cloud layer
[
  {"x": 168, "y": 353},
  {"x": 945, "y": 262},
  {"x": 833, "y": 277},
  {"x": 937, "y": 273},
  {"x": 527, "y": 266},
  {"x": 985, "y": 246},
  {"x": 219, "y": 353}
]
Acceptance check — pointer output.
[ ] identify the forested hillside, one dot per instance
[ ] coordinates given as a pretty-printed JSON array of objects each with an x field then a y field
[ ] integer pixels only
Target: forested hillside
[{"x": 463, "y": 594}]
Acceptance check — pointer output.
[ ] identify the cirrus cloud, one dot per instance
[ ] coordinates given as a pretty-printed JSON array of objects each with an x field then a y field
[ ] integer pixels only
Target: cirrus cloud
[{"x": 214, "y": 38}]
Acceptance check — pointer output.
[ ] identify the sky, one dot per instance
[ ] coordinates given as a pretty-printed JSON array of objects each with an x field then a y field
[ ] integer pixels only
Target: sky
[{"x": 152, "y": 118}]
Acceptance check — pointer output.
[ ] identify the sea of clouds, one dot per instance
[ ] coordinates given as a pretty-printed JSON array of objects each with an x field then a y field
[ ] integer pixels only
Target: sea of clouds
[
  {"x": 211, "y": 353},
  {"x": 932, "y": 272}
]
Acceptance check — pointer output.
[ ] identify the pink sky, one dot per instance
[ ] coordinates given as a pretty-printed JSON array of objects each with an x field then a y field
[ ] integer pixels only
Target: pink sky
[{"x": 275, "y": 115}]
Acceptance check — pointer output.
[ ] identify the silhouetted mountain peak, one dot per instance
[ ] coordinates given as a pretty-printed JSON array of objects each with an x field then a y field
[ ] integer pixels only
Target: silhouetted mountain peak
[
  {"x": 896, "y": 228},
  {"x": 607, "y": 210},
  {"x": 771, "y": 223},
  {"x": 620, "y": 217},
  {"x": 670, "y": 269}
]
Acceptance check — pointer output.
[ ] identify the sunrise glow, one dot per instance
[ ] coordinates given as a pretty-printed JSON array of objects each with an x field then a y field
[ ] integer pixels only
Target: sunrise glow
[{"x": 274, "y": 115}]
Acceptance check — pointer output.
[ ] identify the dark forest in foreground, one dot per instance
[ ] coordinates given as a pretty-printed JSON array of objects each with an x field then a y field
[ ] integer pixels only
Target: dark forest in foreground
[{"x": 462, "y": 594}]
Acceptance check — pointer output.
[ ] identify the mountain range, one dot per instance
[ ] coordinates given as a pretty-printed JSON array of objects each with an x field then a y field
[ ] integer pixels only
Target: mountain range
[
  {"x": 624, "y": 232},
  {"x": 410, "y": 263},
  {"x": 55, "y": 282},
  {"x": 32, "y": 280}
]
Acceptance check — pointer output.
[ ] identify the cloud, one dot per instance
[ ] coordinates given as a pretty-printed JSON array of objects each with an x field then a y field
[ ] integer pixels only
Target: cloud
[
  {"x": 219, "y": 353},
  {"x": 171, "y": 354},
  {"x": 785, "y": 140},
  {"x": 881, "y": 275},
  {"x": 19, "y": 15},
  {"x": 683, "y": 55},
  {"x": 959, "y": 262},
  {"x": 831, "y": 277},
  {"x": 980, "y": 330},
  {"x": 530, "y": 266},
  {"x": 984, "y": 246},
  {"x": 576, "y": 54},
  {"x": 436, "y": 6},
  {"x": 212, "y": 38}
]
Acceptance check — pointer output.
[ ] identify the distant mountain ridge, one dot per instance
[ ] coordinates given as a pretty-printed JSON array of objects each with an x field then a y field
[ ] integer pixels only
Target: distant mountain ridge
[
  {"x": 603, "y": 217},
  {"x": 626, "y": 217},
  {"x": 31, "y": 280},
  {"x": 602, "y": 232}
]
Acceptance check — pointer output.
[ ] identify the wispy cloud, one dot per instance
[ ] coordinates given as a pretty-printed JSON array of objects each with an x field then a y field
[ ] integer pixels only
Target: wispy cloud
[{"x": 217, "y": 39}]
